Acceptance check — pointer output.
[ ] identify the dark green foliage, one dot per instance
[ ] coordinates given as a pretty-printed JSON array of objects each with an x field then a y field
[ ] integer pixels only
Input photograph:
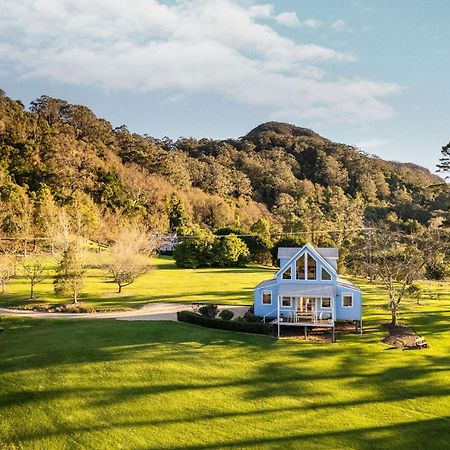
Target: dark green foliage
[
  {"x": 444, "y": 162},
  {"x": 259, "y": 248},
  {"x": 230, "y": 251},
  {"x": 439, "y": 268},
  {"x": 178, "y": 218},
  {"x": 288, "y": 241},
  {"x": 230, "y": 325},
  {"x": 194, "y": 251},
  {"x": 226, "y": 314},
  {"x": 209, "y": 310},
  {"x": 279, "y": 177}
]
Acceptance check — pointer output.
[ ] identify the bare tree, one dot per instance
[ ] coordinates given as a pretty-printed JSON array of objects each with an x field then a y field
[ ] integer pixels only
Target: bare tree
[
  {"x": 397, "y": 259},
  {"x": 128, "y": 256},
  {"x": 6, "y": 270},
  {"x": 35, "y": 271}
]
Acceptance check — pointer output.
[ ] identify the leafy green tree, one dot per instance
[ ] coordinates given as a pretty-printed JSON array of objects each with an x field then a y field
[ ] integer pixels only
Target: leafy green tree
[
  {"x": 70, "y": 274},
  {"x": 179, "y": 220},
  {"x": 194, "y": 251},
  {"x": 444, "y": 162},
  {"x": 261, "y": 227},
  {"x": 287, "y": 241},
  {"x": 230, "y": 251}
]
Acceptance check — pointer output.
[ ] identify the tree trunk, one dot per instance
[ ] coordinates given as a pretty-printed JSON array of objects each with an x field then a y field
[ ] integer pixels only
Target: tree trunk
[
  {"x": 120, "y": 289},
  {"x": 32, "y": 290},
  {"x": 3, "y": 286},
  {"x": 75, "y": 298}
]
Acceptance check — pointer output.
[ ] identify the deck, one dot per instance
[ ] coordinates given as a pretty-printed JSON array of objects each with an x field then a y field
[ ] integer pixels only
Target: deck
[{"x": 305, "y": 323}]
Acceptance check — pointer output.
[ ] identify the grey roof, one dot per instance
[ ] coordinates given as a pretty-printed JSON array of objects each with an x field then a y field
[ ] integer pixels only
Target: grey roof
[
  {"x": 324, "y": 252},
  {"x": 303, "y": 290},
  {"x": 346, "y": 283},
  {"x": 266, "y": 283}
]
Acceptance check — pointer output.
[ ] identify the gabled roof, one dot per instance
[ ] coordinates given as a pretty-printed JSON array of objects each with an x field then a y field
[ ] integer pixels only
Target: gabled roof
[
  {"x": 347, "y": 284},
  {"x": 266, "y": 283},
  {"x": 313, "y": 251},
  {"x": 324, "y": 252}
]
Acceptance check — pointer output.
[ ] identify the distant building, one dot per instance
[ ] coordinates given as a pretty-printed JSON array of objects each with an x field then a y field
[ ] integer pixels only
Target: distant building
[{"x": 166, "y": 242}]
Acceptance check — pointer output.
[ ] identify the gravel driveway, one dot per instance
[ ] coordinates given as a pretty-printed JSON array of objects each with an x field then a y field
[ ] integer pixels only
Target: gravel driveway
[{"x": 150, "y": 311}]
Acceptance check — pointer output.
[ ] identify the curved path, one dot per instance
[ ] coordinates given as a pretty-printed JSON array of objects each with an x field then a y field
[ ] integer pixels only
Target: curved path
[{"x": 150, "y": 311}]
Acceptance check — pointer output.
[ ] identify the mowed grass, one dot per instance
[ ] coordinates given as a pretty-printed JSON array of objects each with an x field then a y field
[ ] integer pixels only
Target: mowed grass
[
  {"x": 154, "y": 385},
  {"x": 165, "y": 283}
]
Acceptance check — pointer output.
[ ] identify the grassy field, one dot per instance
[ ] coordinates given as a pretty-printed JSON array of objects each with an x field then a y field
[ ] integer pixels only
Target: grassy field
[
  {"x": 114, "y": 384},
  {"x": 164, "y": 283}
]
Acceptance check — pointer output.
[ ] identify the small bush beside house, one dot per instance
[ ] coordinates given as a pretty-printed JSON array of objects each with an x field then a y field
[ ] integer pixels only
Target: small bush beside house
[{"x": 229, "y": 325}]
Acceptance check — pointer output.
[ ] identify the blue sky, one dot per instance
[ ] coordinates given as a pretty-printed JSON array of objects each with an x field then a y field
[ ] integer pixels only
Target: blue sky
[{"x": 371, "y": 74}]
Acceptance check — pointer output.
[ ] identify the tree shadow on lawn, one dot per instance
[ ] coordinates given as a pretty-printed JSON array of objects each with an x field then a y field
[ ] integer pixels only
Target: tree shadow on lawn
[{"x": 292, "y": 377}]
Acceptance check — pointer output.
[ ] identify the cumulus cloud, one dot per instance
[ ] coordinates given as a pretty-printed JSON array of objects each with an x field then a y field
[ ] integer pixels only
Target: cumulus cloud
[
  {"x": 288, "y": 19},
  {"x": 225, "y": 47}
]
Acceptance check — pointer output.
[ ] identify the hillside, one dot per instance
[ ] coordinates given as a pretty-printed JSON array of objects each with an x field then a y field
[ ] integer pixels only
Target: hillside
[{"x": 60, "y": 155}]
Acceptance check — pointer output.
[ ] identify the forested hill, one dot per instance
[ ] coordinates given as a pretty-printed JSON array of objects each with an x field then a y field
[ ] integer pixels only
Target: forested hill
[{"x": 62, "y": 155}]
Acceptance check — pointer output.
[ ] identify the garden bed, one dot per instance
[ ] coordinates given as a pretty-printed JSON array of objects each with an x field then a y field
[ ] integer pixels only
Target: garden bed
[{"x": 403, "y": 337}]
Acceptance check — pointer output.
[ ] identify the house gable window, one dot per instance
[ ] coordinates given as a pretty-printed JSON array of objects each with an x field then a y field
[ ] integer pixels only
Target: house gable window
[
  {"x": 326, "y": 276},
  {"x": 300, "y": 268},
  {"x": 286, "y": 302},
  {"x": 325, "y": 303},
  {"x": 311, "y": 270},
  {"x": 266, "y": 297},
  {"x": 347, "y": 300},
  {"x": 287, "y": 274}
]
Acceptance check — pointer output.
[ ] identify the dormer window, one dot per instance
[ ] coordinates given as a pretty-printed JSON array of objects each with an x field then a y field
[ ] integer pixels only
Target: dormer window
[
  {"x": 300, "y": 268},
  {"x": 287, "y": 274},
  {"x": 312, "y": 268},
  {"x": 326, "y": 276}
]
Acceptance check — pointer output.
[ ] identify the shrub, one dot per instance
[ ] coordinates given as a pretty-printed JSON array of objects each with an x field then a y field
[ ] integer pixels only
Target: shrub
[
  {"x": 209, "y": 311},
  {"x": 230, "y": 325},
  {"x": 230, "y": 251},
  {"x": 194, "y": 251},
  {"x": 226, "y": 314}
]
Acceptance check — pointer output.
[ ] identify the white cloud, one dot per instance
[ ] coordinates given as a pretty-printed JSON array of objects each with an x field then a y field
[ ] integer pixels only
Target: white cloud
[
  {"x": 312, "y": 23},
  {"x": 288, "y": 19},
  {"x": 338, "y": 25},
  {"x": 185, "y": 47}
]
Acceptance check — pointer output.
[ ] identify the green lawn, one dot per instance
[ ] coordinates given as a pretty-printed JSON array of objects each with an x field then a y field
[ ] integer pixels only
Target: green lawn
[
  {"x": 165, "y": 283},
  {"x": 112, "y": 384}
]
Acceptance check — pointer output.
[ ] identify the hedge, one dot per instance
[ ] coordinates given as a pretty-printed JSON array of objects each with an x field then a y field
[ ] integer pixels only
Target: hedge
[{"x": 230, "y": 325}]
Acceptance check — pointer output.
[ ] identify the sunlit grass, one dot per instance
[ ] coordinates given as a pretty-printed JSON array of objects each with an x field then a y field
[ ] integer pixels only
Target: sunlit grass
[
  {"x": 112, "y": 384},
  {"x": 164, "y": 283}
]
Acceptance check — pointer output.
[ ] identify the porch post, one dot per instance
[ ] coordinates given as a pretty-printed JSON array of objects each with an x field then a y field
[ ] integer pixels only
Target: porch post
[
  {"x": 360, "y": 327},
  {"x": 278, "y": 314}
]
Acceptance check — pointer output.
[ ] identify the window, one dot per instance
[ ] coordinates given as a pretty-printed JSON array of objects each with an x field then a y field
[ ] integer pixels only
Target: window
[
  {"x": 326, "y": 276},
  {"x": 287, "y": 274},
  {"x": 286, "y": 301},
  {"x": 300, "y": 268},
  {"x": 312, "y": 268},
  {"x": 347, "y": 300},
  {"x": 325, "y": 303},
  {"x": 267, "y": 298}
]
